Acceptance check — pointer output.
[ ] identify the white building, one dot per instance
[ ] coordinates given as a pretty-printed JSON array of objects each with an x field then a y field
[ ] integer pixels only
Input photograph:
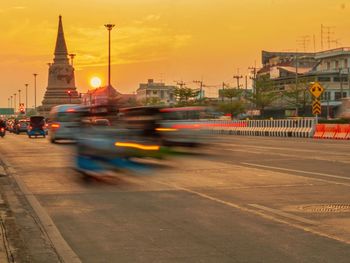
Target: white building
[{"x": 155, "y": 91}]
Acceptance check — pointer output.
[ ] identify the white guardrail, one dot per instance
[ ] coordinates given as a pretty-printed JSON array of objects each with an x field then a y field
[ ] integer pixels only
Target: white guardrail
[{"x": 303, "y": 128}]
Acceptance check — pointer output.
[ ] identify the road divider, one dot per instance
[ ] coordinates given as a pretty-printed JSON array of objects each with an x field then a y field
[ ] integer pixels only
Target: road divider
[
  {"x": 303, "y": 128},
  {"x": 332, "y": 131}
]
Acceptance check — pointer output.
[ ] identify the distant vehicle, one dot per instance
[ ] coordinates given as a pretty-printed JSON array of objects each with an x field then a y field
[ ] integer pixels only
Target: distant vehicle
[
  {"x": 65, "y": 122},
  {"x": 184, "y": 126},
  {"x": 344, "y": 110},
  {"x": 36, "y": 126},
  {"x": 2, "y": 128},
  {"x": 20, "y": 125}
]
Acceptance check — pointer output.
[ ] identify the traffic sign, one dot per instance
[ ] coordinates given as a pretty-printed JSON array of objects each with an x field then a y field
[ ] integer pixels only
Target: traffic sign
[
  {"x": 316, "y": 89},
  {"x": 316, "y": 107}
]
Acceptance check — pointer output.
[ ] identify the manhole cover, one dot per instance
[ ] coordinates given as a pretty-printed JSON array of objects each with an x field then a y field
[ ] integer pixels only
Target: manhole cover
[{"x": 326, "y": 208}]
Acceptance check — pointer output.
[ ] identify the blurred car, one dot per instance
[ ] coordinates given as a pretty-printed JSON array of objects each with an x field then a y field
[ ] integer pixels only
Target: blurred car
[
  {"x": 20, "y": 125},
  {"x": 36, "y": 126},
  {"x": 101, "y": 122},
  {"x": 65, "y": 122},
  {"x": 184, "y": 126}
]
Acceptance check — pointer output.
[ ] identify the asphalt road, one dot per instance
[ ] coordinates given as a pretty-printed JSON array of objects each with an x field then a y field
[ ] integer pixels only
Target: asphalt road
[{"x": 252, "y": 199}]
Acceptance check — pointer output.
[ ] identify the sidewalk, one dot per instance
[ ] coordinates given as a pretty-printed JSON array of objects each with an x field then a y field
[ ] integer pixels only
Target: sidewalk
[
  {"x": 3, "y": 243},
  {"x": 25, "y": 240}
]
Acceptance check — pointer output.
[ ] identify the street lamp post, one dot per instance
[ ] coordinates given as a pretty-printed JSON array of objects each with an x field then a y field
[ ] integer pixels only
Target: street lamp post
[
  {"x": 15, "y": 96},
  {"x": 11, "y": 102},
  {"x": 26, "y": 107},
  {"x": 35, "y": 74},
  {"x": 109, "y": 28},
  {"x": 19, "y": 96}
]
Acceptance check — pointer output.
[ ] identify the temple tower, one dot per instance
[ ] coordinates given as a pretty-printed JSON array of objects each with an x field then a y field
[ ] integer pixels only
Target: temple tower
[{"x": 61, "y": 87}]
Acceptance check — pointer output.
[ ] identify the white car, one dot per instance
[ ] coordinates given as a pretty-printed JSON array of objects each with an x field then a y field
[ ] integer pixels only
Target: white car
[{"x": 65, "y": 122}]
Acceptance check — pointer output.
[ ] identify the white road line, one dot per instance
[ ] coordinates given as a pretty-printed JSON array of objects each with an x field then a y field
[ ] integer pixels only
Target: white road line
[
  {"x": 62, "y": 248},
  {"x": 297, "y": 171},
  {"x": 284, "y": 214},
  {"x": 295, "y": 156},
  {"x": 261, "y": 214}
]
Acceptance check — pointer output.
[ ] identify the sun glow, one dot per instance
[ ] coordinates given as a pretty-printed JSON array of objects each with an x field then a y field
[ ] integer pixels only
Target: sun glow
[{"x": 95, "y": 82}]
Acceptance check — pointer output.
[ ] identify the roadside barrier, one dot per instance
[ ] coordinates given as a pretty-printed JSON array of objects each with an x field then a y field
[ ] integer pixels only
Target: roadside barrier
[
  {"x": 303, "y": 128},
  {"x": 319, "y": 131},
  {"x": 343, "y": 132},
  {"x": 330, "y": 131}
]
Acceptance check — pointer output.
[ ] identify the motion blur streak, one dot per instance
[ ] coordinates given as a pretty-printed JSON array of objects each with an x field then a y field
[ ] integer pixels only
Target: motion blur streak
[
  {"x": 166, "y": 129},
  {"x": 138, "y": 146}
]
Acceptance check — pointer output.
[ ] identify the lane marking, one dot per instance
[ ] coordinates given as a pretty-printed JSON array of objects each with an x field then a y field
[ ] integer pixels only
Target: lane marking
[
  {"x": 261, "y": 214},
  {"x": 287, "y": 155},
  {"x": 284, "y": 214},
  {"x": 280, "y": 148},
  {"x": 63, "y": 250},
  {"x": 297, "y": 171}
]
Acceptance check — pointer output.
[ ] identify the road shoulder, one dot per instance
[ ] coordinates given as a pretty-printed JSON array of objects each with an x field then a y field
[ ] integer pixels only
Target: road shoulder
[{"x": 26, "y": 241}]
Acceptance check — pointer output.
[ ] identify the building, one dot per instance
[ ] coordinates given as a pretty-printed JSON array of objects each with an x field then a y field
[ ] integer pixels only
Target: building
[
  {"x": 155, "y": 92},
  {"x": 330, "y": 68},
  {"x": 61, "y": 87}
]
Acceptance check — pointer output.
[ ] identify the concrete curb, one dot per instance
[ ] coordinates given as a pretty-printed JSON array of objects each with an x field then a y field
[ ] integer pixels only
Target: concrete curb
[{"x": 63, "y": 250}]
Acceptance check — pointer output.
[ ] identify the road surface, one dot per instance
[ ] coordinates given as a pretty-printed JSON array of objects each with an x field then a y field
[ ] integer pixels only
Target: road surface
[{"x": 253, "y": 199}]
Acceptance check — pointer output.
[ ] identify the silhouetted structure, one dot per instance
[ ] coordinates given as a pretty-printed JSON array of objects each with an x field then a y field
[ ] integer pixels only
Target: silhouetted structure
[{"x": 61, "y": 81}]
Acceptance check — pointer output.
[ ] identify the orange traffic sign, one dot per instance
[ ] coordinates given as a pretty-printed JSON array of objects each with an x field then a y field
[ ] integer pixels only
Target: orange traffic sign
[
  {"x": 316, "y": 107},
  {"x": 316, "y": 89}
]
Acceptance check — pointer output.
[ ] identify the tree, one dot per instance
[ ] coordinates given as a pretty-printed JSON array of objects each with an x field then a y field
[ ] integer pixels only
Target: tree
[
  {"x": 232, "y": 93},
  {"x": 264, "y": 93},
  {"x": 184, "y": 95},
  {"x": 236, "y": 105},
  {"x": 152, "y": 101},
  {"x": 297, "y": 95}
]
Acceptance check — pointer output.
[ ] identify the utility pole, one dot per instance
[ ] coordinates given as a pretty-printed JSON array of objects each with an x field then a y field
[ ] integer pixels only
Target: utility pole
[
  {"x": 254, "y": 72},
  {"x": 237, "y": 77},
  {"x": 15, "y": 96},
  {"x": 26, "y": 97},
  {"x": 35, "y": 75},
  {"x": 180, "y": 83},
  {"x": 296, "y": 85},
  {"x": 304, "y": 41},
  {"x": 314, "y": 38},
  {"x": 200, "y": 82}
]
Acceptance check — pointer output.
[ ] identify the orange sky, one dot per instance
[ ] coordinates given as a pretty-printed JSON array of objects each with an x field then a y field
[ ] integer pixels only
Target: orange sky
[{"x": 161, "y": 39}]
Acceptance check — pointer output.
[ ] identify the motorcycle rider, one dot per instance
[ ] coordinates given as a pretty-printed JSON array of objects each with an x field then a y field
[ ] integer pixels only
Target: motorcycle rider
[{"x": 2, "y": 127}]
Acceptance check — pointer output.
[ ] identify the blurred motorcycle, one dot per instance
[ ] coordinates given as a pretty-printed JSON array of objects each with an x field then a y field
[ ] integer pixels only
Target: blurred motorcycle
[{"x": 2, "y": 132}]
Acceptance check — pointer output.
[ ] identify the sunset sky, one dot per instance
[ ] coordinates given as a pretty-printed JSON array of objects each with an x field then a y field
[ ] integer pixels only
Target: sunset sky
[{"x": 161, "y": 39}]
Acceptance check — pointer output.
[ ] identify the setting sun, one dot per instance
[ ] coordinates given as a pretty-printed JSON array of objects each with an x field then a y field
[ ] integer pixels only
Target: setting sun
[{"x": 95, "y": 82}]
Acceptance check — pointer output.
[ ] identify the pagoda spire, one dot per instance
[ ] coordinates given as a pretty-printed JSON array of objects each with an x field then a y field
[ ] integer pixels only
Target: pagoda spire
[{"x": 61, "y": 53}]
